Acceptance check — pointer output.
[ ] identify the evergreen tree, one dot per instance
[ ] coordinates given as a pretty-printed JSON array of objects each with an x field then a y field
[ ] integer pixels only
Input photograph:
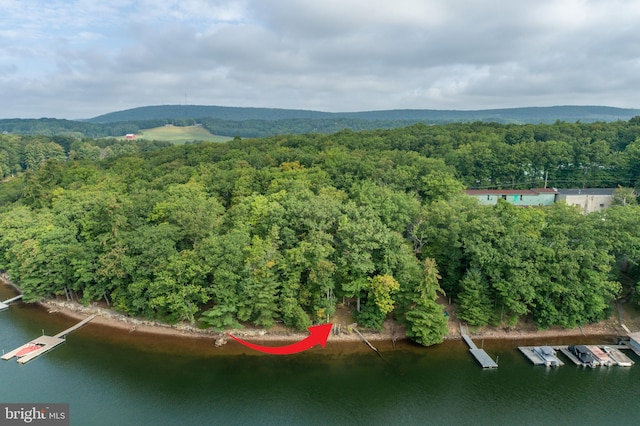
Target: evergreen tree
[
  {"x": 474, "y": 300},
  {"x": 426, "y": 323}
]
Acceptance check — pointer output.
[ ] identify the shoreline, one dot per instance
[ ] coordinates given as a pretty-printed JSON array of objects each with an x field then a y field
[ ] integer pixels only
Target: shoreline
[
  {"x": 391, "y": 332},
  {"x": 112, "y": 319}
]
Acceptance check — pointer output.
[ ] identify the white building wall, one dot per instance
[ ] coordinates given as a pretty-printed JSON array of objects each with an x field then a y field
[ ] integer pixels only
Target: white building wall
[{"x": 588, "y": 203}]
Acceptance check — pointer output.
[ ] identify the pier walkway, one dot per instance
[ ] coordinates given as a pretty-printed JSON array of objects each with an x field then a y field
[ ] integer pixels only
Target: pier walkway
[
  {"x": 42, "y": 344},
  {"x": 64, "y": 333},
  {"x": 4, "y": 305},
  {"x": 480, "y": 355}
]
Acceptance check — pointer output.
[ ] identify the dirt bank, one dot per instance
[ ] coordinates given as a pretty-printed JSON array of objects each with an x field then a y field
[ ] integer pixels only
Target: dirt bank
[
  {"x": 344, "y": 328},
  {"x": 391, "y": 331},
  {"x": 107, "y": 317}
]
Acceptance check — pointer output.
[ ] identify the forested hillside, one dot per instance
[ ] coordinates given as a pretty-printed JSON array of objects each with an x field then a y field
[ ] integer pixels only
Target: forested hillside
[
  {"x": 283, "y": 229},
  {"x": 532, "y": 115},
  {"x": 249, "y": 128},
  {"x": 264, "y": 122}
]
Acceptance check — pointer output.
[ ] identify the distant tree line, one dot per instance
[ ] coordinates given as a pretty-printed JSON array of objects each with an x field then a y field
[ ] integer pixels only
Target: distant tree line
[
  {"x": 29, "y": 152},
  {"x": 260, "y": 127},
  {"x": 251, "y": 128}
]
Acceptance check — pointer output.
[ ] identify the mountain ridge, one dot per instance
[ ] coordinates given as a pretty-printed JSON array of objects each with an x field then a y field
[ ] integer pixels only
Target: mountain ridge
[
  {"x": 251, "y": 122},
  {"x": 521, "y": 115}
]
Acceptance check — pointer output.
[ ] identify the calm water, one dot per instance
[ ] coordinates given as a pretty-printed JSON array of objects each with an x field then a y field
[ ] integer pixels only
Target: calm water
[{"x": 120, "y": 378}]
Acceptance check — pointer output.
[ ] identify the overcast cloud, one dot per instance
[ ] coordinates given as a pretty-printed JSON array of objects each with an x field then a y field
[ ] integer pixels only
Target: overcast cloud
[{"x": 82, "y": 58}]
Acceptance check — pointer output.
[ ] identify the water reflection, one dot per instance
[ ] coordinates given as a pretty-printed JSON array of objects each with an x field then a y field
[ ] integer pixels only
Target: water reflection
[{"x": 116, "y": 377}]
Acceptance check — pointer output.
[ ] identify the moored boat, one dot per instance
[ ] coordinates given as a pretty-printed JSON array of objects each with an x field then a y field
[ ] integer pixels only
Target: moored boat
[
  {"x": 27, "y": 349},
  {"x": 548, "y": 355},
  {"x": 601, "y": 356}
]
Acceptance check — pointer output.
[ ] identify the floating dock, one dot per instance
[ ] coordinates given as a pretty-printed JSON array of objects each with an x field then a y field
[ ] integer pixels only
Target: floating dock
[
  {"x": 617, "y": 356},
  {"x": 633, "y": 343},
  {"x": 42, "y": 344},
  {"x": 568, "y": 354},
  {"x": 534, "y": 357},
  {"x": 604, "y": 355},
  {"x": 5, "y": 305},
  {"x": 33, "y": 349},
  {"x": 480, "y": 355},
  {"x": 608, "y": 355}
]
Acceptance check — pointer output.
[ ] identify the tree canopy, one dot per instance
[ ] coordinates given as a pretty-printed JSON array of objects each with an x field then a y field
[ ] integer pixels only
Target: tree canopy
[{"x": 284, "y": 229}]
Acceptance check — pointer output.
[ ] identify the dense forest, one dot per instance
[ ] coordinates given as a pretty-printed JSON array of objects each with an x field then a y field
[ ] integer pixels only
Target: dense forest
[
  {"x": 287, "y": 228},
  {"x": 242, "y": 128},
  {"x": 19, "y": 153}
]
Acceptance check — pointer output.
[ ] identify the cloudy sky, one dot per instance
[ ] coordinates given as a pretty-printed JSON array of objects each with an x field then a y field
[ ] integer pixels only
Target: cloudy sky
[{"x": 82, "y": 58}]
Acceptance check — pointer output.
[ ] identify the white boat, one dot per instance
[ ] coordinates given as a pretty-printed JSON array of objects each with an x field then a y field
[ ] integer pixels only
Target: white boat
[
  {"x": 618, "y": 357},
  {"x": 548, "y": 355}
]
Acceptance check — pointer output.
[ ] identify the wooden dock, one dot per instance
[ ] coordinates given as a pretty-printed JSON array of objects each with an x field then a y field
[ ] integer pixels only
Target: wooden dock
[
  {"x": 627, "y": 346},
  {"x": 39, "y": 346},
  {"x": 480, "y": 355},
  {"x": 64, "y": 333},
  {"x": 42, "y": 344},
  {"x": 5, "y": 305}
]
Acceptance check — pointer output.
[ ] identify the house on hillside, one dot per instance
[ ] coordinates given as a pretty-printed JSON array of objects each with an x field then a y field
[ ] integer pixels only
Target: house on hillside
[
  {"x": 517, "y": 197},
  {"x": 130, "y": 137},
  {"x": 589, "y": 199}
]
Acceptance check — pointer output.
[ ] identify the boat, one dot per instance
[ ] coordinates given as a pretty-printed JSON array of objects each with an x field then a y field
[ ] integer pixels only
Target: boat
[
  {"x": 548, "y": 355},
  {"x": 618, "y": 357},
  {"x": 601, "y": 356},
  {"x": 27, "y": 349},
  {"x": 584, "y": 355}
]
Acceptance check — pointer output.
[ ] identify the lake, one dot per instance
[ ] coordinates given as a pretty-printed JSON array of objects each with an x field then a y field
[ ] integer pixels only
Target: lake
[{"x": 113, "y": 377}]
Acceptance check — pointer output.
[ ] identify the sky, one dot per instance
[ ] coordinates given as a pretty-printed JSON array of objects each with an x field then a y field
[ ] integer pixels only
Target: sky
[{"x": 82, "y": 58}]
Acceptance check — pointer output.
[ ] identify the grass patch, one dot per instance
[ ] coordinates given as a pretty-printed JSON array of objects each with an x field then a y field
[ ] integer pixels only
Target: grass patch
[{"x": 180, "y": 135}]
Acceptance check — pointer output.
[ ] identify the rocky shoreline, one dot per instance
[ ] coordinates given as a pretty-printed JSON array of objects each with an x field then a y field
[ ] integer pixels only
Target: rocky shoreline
[
  {"x": 114, "y": 319},
  {"x": 342, "y": 332}
]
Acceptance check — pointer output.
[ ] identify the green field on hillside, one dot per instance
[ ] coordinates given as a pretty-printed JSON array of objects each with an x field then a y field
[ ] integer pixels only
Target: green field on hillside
[{"x": 178, "y": 135}]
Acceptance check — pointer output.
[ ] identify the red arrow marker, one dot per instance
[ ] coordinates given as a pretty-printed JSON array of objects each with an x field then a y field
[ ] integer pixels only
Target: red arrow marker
[{"x": 319, "y": 335}]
